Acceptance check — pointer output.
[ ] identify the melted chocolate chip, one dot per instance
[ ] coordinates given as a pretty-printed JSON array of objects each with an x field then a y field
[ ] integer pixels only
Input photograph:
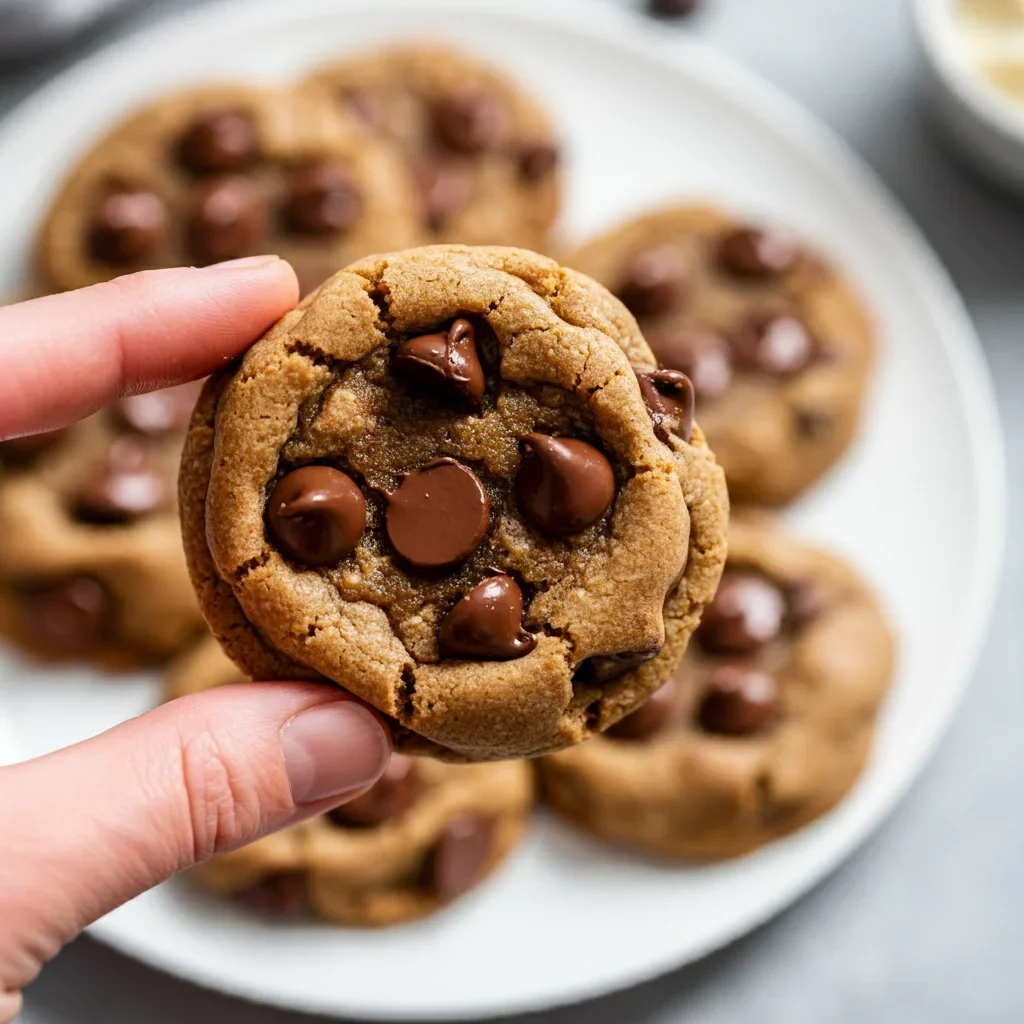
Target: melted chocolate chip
[
  {"x": 487, "y": 623},
  {"x": 603, "y": 668},
  {"x": 536, "y": 160},
  {"x": 124, "y": 490},
  {"x": 446, "y": 362},
  {"x": 322, "y": 199},
  {"x": 651, "y": 717},
  {"x": 67, "y": 614},
  {"x": 445, "y": 188},
  {"x": 671, "y": 8},
  {"x": 228, "y": 220},
  {"x": 387, "y": 799},
  {"x": 461, "y": 855},
  {"x": 748, "y": 611},
  {"x": 777, "y": 344},
  {"x": 316, "y": 515},
  {"x": 654, "y": 280},
  {"x": 20, "y": 451},
  {"x": 668, "y": 395},
  {"x": 219, "y": 141},
  {"x": 805, "y": 601},
  {"x": 756, "y": 253},
  {"x": 703, "y": 356},
  {"x": 438, "y": 515},
  {"x": 563, "y": 485},
  {"x": 158, "y": 412},
  {"x": 471, "y": 122},
  {"x": 813, "y": 424},
  {"x": 282, "y": 894},
  {"x": 126, "y": 227},
  {"x": 737, "y": 700}
]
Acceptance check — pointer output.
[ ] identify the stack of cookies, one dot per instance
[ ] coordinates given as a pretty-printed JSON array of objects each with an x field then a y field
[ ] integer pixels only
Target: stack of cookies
[{"x": 464, "y": 482}]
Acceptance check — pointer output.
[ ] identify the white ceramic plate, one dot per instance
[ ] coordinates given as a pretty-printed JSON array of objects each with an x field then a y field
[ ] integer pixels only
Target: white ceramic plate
[{"x": 918, "y": 504}]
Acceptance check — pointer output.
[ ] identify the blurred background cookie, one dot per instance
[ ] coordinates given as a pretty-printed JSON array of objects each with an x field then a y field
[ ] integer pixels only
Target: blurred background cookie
[
  {"x": 766, "y": 724},
  {"x": 775, "y": 342}
]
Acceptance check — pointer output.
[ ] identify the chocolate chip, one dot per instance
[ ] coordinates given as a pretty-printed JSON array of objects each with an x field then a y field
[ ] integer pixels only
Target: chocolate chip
[
  {"x": 805, "y": 601},
  {"x": 487, "y": 623},
  {"x": 445, "y": 362},
  {"x": 603, "y": 668},
  {"x": 471, "y": 122},
  {"x": 322, "y": 199},
  {"x": 737, "y": 700},
  {"x": 703, "y": 356},
  {"x": 461, "y": 855},
  {"x": 563, "y": 485},
  {"x": 653, "y": 280},
  {"x": 159, "y": 412},
  {"x": 228, "y": 219},
  {"x": 651, "y": 717},
  {"x": 747, "y": 612},
  {"x": 282, "y": 894},
  {"x": 445, "y": 188},
  {"x": 536, "y": 160},
  {"x": 316, "y": 515},
  {"x": 387, "y": 799},
  {"x": 813, "y": 424},
  {"x": 126, "y": 227},
  {"x": 218, "y": 141},
  {"x": 671, "y": 8},
  {"x": 777, "y": 344},
  {"x": 20, "y": 451},
  {"x": 68, "y": 613},
  {"x": 365, "y": 106},
  {"x": 438, "y": 515},
  {"x": 756, "y": 252},
  {"x": 121, "y": 492},
  {"x": 668, "y": 395}
]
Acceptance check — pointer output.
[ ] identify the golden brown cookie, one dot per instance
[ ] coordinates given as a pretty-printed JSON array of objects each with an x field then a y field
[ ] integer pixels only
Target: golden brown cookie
[
  {"x": 775, "y": 341},
  {"x": 766, "y": 724},
  {"x": 437, "y": 483},
  {"x": 90, "y": 548},
  {"x": 483, "y": 155},
  {"x": 424, "y": 835},
  {"x": 222, "y": 172}
]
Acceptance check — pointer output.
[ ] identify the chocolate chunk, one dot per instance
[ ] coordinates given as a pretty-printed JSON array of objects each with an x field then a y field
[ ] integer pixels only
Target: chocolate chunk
[
  {"x": 487, "y": 623},
  {"x": 461, "y": 855},
  {"x": 471, "y": 122},
  {"x": 124, "y": 490},
  {"x": 322, "y": 199},
  {"x": 536, "y": 160},
  {"x": 777, "y": 344},
  {"x": 316, "y": 515},
  {"x": 159, "y": 412},
  {"x": 445, "y": 362},
  {"x": 563, "y": 485},
  {"x": 748, "y": 611},
  {"x": 603, "y": 668},
  {"x": 668, "y": 395},
  {"x": 20, "y": 451},
  {"x": 126, "y": 227},
  {"x": 219, "y": 141},
  {"x": 445, "y": 188},
  {"x": 438, "y": 515},
  {"x": 282, "y": 894},
  {"x": 365, "y": 106},
  {"x": 756, "y": 253},
  {"x": 651, "y": 717},
  {"x": 654, "y": 280},
  {"x": 67, "y": 614},
  {"x": 737, "y": 700},
  {"x": 805, "y": 601},
  {"x": 671, "y": 8},
  {"x": 387, "y": 799},
  {"x": 703, "y": 356},
  {"x": 228, "y": 220}
]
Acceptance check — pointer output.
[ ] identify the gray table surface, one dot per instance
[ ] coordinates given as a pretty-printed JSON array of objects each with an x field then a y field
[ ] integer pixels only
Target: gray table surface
[{"x": 925, "y": 922}]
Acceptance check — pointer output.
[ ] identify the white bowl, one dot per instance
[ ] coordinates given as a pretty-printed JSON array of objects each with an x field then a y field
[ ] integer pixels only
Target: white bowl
[{"x": 985, "y": 125}]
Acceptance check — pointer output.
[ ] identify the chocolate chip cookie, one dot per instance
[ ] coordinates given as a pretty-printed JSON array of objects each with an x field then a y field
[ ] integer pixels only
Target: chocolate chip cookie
[
  {"x": 90, "y": 548},
  {"x": 766, "y": 724},
  {"x": 223, "y": 172},
  {"x": 483, "y": 156},
  {"x": 441, "y": 483},
  {"x": 424, "y": 835},
  {"x": 775, "y": 342}
]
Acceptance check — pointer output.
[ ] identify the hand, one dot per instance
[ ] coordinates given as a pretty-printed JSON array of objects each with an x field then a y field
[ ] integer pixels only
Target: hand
[{"x": 87, "y": 828}]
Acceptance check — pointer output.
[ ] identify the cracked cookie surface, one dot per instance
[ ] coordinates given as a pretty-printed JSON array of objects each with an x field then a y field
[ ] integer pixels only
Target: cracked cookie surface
[
  {"x": 488, "y": 541},
  {"x": 766, "y": 724},
  {"x": 776, "y": 343}
]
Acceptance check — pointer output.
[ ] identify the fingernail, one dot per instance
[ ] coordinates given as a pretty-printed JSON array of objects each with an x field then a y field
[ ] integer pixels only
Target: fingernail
[
  {"x": 333, "y": 749},
  {"x": 245, "y": 263}
]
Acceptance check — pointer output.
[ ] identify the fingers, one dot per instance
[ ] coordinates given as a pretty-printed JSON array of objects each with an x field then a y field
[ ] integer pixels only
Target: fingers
[
  {"x": 89, "y": 827},
  {"x": 65, "y": 356}
]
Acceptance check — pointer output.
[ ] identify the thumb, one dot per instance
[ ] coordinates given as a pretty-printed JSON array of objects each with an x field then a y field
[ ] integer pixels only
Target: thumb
[{"x": 91, "y": 826}]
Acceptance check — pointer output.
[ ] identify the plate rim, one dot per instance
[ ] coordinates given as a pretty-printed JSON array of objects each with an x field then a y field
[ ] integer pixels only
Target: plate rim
[{"x": 784, "y": 116}]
